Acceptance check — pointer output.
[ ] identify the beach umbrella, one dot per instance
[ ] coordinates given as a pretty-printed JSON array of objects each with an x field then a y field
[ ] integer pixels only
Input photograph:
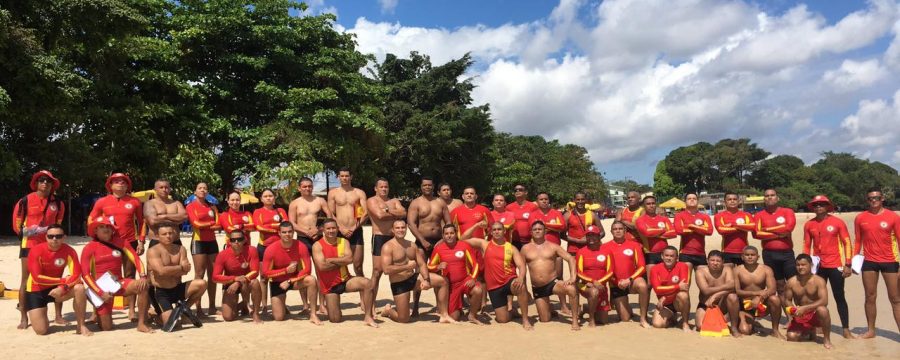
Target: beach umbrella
[
  {"x": 248, "y": 199},
  {"x": 714, "y": 323},
  {"x": 673, "y": 203}
]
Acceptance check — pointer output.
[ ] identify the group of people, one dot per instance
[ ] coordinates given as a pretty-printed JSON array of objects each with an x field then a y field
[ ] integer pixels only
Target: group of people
[{"x": 462, "y": 250}]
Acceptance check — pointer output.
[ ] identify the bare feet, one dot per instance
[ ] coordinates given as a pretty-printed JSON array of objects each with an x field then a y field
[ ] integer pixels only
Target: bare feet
[
  {"x": 848, "y": 334},
  {"x": 778, "y": 334},
  {"x": 92, "y": 318},
  {"x": 213, "y": 311},
  {"x": 827, "y": 344},
  {"x": 84, "y": 331},
  {"x": 61, "y": 321},
  {"x": 735, "y": 332},
  {"x": 387, "y": 308},
  {"x": 23, "y": 324},
  {"x": 144, "y": 328},
  {"x": 686, "y": 327},
  {"x": 315, "y": 320},
  {"x": 415, "y": 312},
  {"x": 514, "y": 314},
  {"x": 370, "y": 322},
  {"x": 446, "y": 319},
  {"x": 868, "y": 335},
  {"x": 576, "y": 326},
  {"x": 527, "y": 324},
  {"x": 256, "y": 319},
  {"x": 591, "y": 324},
  {"x": 474, "y": 319},
  {"x": 322, "y": 310},
  {"x": 565, "y": 311},
  {"x": 644, "y": 324}
]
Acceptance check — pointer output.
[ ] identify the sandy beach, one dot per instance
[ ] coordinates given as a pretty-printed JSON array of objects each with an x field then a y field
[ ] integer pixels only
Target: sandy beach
[{"x": 297, "y": 338}]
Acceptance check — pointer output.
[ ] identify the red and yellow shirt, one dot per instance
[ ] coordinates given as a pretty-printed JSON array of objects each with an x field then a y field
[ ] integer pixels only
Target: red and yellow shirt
[
  {"x": 461, "y": 261},
  {"x": 594, "y": 265},
  {"x": 654, "y": 231},
  {"x": 202, "y": 218},
  {"x": 98, "y": 258},
  {"x": 632, "y": 216},
  {"x": 553, "y": 221},
  {"x": 522, "y": 213},
  {"x": 734, "y": 228},
  {"x": 628, "y": 259},
  {"x": 499, "y": 266},
  {"x": 236, "y": 220},
  {"x": 46, "y": 267},
  {"x": 39, "y": 213},
  {"x": 277, "y": 259},
  {"x": 229, "y": 265},
  {"x": 693, "y": 241},
  {"x": 465, "y": 218},
  {"x": 829, "y": 240},
  {"x": 768, "y": 223},
  {"x": 328, "y": 279},
  {"x": 266, "y": 222},
  {"x": 665, "y": 281},
  {"x": 876, "y": 236}
]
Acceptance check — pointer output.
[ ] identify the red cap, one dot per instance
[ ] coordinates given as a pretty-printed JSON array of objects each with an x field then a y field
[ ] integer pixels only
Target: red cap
[
  {"x": 820, "y": 199},
  {"x": 115, "y": 176},
  {"x": 100, "y": 220},
  {"x": 592, "y": 230},
  {"x": 42, "y": 173}
]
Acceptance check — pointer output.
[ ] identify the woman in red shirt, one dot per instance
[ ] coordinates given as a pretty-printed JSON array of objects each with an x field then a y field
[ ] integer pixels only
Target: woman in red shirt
[{"x": 266, "y": 220}]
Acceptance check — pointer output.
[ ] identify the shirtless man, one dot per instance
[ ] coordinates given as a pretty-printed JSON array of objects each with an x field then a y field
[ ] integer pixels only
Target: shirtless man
[
  {"x": 756, "y": 282},
  {"x": 303, "y": 213},
  {"x": 716, "y": 284},
  {"x": 445, "y": 192},
  {"x": 425, "y": 217},
  {"x": 162, "y": 208},
  {"x": 504, "y": 274},
  {"x": 167, "y": 264},
  {"x": 810, "y": 296},
  {"x": 407, "y": 269},
  {"x": 331, "y": 258},
  {"x": 347, "y": 203},
  {"x": 671, "y": 282},
  {"x": 383, "y": 211},
  {"x": 541, "y": 257},
  {"x": 629, "y": 214}
]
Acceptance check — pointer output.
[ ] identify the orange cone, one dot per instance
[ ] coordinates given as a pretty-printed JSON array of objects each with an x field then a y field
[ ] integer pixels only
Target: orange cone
[{"x": 714, "y": 324}]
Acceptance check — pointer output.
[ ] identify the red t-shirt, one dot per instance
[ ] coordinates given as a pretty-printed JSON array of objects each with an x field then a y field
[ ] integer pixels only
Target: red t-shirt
[
  {"x": 553, "y": 221},
  {"x": 460, "y": 259},
  {"x": 277, "y": 259},
  {"x": 46, "y": 267},
  {"x": 782, "y": 220},
  {"x": 522, "y": 227},
  {"x": 465, "y": 218},
  {"x": 829, "y": 240},
  {"x": 236, "y": 220},
  {"x": 628, "y": 259},
  {"x": 876, "y": 236},
  {"x": 39, "y": 213},
  {"x": 654, "y": 231},
  {"x": 734, "y": 228},
  {"x": 665, "y": 281},
  {"x": 98, "y": 258},
  {"x": 499, "y": 266},
  {"x": 202, "y": 217},
  {"x": 229, "y": 265},
  {"x": 594, "y": 265},
  {"x": 632, "y": 216},
  {"x": 266, "y": 222},
  {"x": 127, "y": 214},
  {"x": 576, "y": 226},
  {"x": 693, "y": 242},
  {"x": 330, "y": 278},
  {"x": 508, "y": 219}
]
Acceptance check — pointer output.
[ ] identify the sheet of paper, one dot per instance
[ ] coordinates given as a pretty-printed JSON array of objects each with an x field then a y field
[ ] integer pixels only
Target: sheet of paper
[
  {"x": 815, "y": 264},
  {"x": 856, "y": 264},
  {"x": 108, "y": 283},
  {"x": 94, "y": 298}
]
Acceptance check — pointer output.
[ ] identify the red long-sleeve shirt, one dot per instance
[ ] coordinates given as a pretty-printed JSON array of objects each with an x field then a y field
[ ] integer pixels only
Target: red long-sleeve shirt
[
  {"x": 780, "y": 221},
  {"x": 829, "y": 240},
  {"x": 553, "y": 221},
  {"x": 654, "y": 231},
  {"x": 508, "y": 219},
  {"x": 277, "y": 259},
  {"x": 876, "y": 236},
  {"x": 98, "y": 258},
  {"x": 236, "y": 220},
  {"x": 594, "y": 265},
  {"x": 127, "y": 214},
  {"x": 465, "y": 218},
  {"x": 229, "y": 265},
  {"x": 628, "y": 259},
  {"x": 665, "y": 281},
  {"x": 266, "y": 222},
  {"x": 39, "y": 213},
  {"x": 202, "y": 218},
  {"x": 46, "y": 267},
  {"x": 734, "y": 228},
  {"x": 693, "y": 241},
  {"x": 522, "y": 227}
]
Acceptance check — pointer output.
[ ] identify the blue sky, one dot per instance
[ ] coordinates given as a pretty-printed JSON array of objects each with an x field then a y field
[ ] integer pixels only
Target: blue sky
[{"x": 631, "y": 80}]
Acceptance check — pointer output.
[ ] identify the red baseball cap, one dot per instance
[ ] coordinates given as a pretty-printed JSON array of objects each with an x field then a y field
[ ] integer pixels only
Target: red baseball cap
[{"x": 592, "y": 230}]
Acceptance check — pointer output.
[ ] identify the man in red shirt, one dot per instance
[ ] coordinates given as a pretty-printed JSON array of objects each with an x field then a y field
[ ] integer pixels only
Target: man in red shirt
[
  {"x": 102, "y": 255},
  {"x": 693, "y": 226},
  {"x": 877, "y": 232},
  {"x": 826, "y": 236},
  {"x": 332, "y": 255},
  {"x": 287, "y": 266},
  {"x": 456, "y": 262},
  {"x": 734, "y": 225},
  {"x": 521, "y": 209},
  {"x": 655, "y": 230},
  {"x": 47, "y": 263},
  {"x": 629, "y": 214},
  {"x": 671, "y": 283},
  {"x": 578, "y": 221},
  {"x": 628, "y": 269},
  {"x": 32, "y": 216},
  {"x": 237, "y": 268},
  {"x": 594, "y": 270},
  {"x": 502, "y": 214},
  {"x": 774, "y": 225},
  {"x": 470, "y": 213}
]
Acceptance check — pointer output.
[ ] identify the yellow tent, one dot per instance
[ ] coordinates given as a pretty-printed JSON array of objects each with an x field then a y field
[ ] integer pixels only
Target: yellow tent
[
  {"x": 145, "y": 195},
  {"x": 673, "y": 203},
  {"x": 248, "y": 199}
]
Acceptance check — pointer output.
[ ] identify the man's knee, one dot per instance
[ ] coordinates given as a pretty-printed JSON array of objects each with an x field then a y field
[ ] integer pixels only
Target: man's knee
[
  {"x": 732, "y": 299},
  {"x": 822, "y": 311}
]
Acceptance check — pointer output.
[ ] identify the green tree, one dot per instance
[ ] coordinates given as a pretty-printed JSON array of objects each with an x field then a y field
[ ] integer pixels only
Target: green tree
[
  {"x": 691, "y": 166},
  {"x": 630, "y": 185},
  {"x": 778, "y": 171},
  {"x": 663, "y": 185}
]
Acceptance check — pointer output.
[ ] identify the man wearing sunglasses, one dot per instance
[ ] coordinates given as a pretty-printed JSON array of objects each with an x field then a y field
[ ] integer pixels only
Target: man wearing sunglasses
[
  {"x": 237, "y": 268},
  {"x": 877, "y": 230},
  {"x": 48, "y": 263},
  {"x": 521, "y": 209}
]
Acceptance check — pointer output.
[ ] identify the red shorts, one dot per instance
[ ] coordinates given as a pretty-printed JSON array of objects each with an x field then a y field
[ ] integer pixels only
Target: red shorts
[
  {"x": 107, "y": 307},
  {"x": 602, "y": 299},
  {"x": 805, "y": 323},
  {"x": 457, "y": 290}
]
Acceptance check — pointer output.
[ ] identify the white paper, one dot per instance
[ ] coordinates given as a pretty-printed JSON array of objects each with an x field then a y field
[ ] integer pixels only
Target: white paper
[
  {"x": 106, "y": 283},
  {"x": 815, "y": 263},
  {"x": 856, "y": 264}
]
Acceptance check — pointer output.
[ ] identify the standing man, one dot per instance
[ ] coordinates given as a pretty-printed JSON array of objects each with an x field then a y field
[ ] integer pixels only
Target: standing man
[
  {"x": 671, "y": 283},
  {"x": 733, "y": 224},
  {"x": 595, "y": 270},
  {"x": 407, "y": 269},
  {"x": 716, "y": 285},
  {"x": 628, "y": 271},
  {"x": 774, "y": 225},
  {"x": 521, "y": 209},
  {"x": 426, "y": 215},
  {"x": 445, "y": 192},
  {"x": 332, "y": 255},
  {"x": 470, "y": 214},
  {"x": 629, "y": 214},
  {"x": 383, "y": 211},
  {"x": 826, "y": 236},
  {"x": 502, "y": 214},
  {"x": 162, "y": 208},
  {"x": 877, "y": 232},
  {"x": 287, "y": 266},
  {"x": 542, "y": 257},
  {"x": 655, "y": 230},
  {"x": 456, "y": 262},
  {"x": 755, "y": 286},
  {"x": 578, "y": 221},
  {"x": 304, "y": 213},
  {"x": 693, "y": 226},
  {"x": 348, "y": 204},
  {"x": 47, "y": 263},
  {"x": 167, "y": 264},
  {"x": 809, "y": 295},
  {"x": 32, "y": 216}
]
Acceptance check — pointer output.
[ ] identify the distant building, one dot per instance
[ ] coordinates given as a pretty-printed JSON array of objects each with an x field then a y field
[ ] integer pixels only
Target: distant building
[{"x": 616, "y": 196}]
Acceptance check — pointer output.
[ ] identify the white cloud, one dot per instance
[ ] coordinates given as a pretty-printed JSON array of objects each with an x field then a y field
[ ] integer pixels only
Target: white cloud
[
  {"x": 853, "y": 75},
  {"x": 646, "y": 76},
  {"x": 388, "y": 6}
]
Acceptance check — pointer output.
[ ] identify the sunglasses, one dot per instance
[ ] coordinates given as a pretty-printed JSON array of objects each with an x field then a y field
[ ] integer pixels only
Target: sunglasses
[
  {"x": 819, "y": 205},
  {"x": 44, "y": 180},
  {"x": 876, "y": 198},
  {"x": 55, "y": 236},
  {"x": 238, "y": 239}
]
